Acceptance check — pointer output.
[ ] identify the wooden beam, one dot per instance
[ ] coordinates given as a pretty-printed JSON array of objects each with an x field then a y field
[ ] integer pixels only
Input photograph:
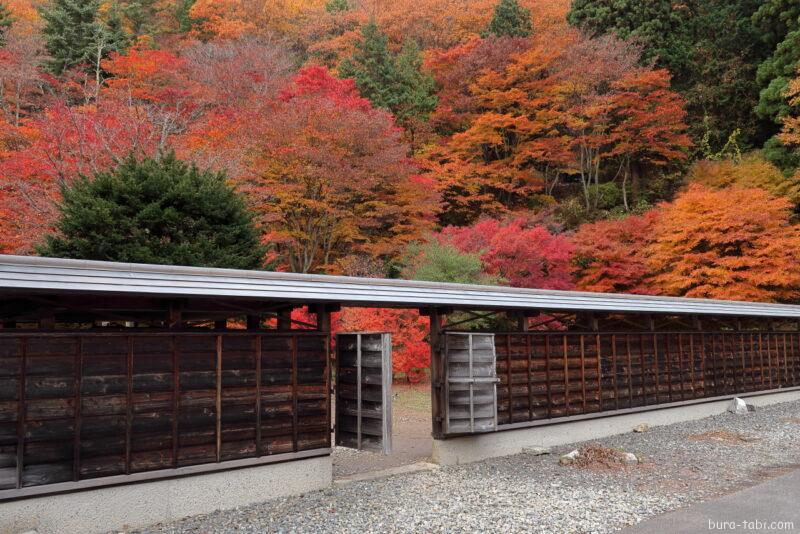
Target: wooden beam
[{"x": 426, "y": 312}]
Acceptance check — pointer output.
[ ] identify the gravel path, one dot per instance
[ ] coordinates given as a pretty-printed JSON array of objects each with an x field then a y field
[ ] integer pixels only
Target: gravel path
[{"x": 684, "y": 463}]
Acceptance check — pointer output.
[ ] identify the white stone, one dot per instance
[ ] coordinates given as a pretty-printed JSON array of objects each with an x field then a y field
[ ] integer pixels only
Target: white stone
[
  {"x": 569, "y": 458},
  {"x": 738, "y": 406},
  {"x": 644, "y": 427},
  {"x": 628, "y": 458}
]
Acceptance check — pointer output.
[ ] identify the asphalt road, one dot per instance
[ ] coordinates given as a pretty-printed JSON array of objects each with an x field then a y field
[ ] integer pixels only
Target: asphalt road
[{"x": 773, "y": 506}]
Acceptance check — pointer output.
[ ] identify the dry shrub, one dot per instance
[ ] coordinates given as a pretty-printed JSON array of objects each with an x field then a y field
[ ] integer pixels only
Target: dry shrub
[
  {"x": 724, "y": 436},
  {"x": 594, "y": 456}
]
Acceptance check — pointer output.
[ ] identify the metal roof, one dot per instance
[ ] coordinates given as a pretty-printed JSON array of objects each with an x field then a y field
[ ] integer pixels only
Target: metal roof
[{"x": 55, "y": 275}]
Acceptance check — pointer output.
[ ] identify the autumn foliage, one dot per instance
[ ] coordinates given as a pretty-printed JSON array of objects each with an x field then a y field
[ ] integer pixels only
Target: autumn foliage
[
  {"x": 559, "y": 158},
  {"x": 610, "y": 255},
  {"x": 734, "y": 244},
  {"x": 411, "y": 353},
  {"x": 517, "y": 253}
]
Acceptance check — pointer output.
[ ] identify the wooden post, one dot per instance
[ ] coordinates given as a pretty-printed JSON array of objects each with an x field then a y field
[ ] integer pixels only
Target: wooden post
[
  {"x": 253, "y": 322},
  {"x": 48, "y": 321},
  {"x": 174, "y": 315},
  {"x": 522, "y": 321},
  {"x": 218, "y": 400},
  {"x": 437, "y": 372},
  {"x": 323, "y": 313},
  {"x": 323, "y": 319},
  {"x": 285, "y": 319}
]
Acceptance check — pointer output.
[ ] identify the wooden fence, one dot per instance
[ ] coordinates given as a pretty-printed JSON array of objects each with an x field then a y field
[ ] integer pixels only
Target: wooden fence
[
  {"x": 548, "y": 375},
  {"x": 82, "y": 405}
]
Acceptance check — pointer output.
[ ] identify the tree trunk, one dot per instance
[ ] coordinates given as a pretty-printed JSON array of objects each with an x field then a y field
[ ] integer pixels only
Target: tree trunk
[{"x": 636, "y": 181}]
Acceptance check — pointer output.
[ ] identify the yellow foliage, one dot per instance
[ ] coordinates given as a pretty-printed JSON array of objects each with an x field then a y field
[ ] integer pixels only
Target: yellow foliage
[
  {"x": 791, "y": 123},
  {"x": 235, "y": 18},
  {"x": 25, "y": 10},
  {"x": 753, "y": 171}
]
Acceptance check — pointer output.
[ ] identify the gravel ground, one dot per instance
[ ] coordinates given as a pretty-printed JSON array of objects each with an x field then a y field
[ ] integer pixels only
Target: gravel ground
[{"x": 683, "y": 463}]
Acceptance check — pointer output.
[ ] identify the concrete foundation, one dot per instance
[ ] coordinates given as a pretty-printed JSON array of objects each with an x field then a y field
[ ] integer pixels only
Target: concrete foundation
[
  {"x": 507, "y": 442},
  {"x": 138, "y": 505}
]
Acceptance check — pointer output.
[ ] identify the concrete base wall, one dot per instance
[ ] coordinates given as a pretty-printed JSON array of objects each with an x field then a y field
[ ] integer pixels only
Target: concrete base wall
[
  {"x": 503, "y": 443},
  {"x": 146, "y": 503}
]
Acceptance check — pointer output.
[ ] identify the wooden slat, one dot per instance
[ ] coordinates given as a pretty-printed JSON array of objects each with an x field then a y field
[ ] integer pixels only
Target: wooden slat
[
  {"x": 630, "y": 370},
  {"x": 615, "y": 375},
  {"x": 128, "y": 403},
  {"x": 22, "y": 410},
  {"x": 508, "y": 377},
  {"x": 176, "y": 401},
  {"x": 599, "y": 371},
  {"x": 548, "y": 383},
  {"x": 566, "y": 375},
  {"x": 258, "y": 407},
  {"x": 294, "y": 395},
  {"x": 529, "y": 354},
  {"x": 359, "y": 393},
  {"x": 218, "y": 399},
  {"x": 76, "y": 453},
  {"x": 655, "y": 368}
]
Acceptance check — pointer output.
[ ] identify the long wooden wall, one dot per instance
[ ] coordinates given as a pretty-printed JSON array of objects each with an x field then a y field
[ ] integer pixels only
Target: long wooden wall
[
  {"x": 82, "y": 405},
  {"x": 548, "y": 375}
]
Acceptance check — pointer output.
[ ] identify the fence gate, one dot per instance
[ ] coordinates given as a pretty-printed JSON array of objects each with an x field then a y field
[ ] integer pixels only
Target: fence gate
[
  {"x": 364, "y": 391},
  {"x": 470, "y": 386}
]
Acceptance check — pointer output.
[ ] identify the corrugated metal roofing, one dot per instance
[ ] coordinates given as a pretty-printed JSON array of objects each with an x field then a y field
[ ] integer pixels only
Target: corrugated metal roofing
[{"x": 49, "y": 275}]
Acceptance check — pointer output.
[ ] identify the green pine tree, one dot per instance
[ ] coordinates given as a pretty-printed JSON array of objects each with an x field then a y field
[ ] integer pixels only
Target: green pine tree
[
  {"x": 181, "y": 11},
  {"x": 74, "y": 33},
  {"x": 372, "y": 67},
  {"x": 714, "y": 70},
  {"x": 395, "y": 82},
  {"x": 419, "y": 95},
  {"x": 336, "y": 6},
  {"x": 150, "y": 211},
  {"x": 142, "y": 16},
  {"x": 115, "y": 37},
  {"x": 6, "y": 20},
  {"x": 509, "y": 20},
  {"x": 774, "y": 75}
]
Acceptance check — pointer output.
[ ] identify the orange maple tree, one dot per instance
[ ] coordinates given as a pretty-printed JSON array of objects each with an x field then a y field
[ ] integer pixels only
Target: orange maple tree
[
  {"x": 411, "y": 353},
  {"x": 565, "y": 105},
  {"x": 732, "y": 243},
  {"x": 331, "y": 177},
  {"x": 609, "y": 254}
]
